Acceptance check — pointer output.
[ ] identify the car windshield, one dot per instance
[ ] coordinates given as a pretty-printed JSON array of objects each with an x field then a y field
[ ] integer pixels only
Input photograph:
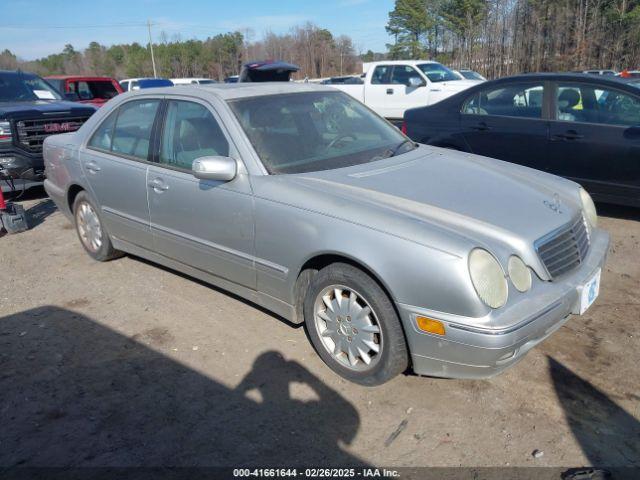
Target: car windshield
[
  {"x": 313, "y": 131},
  {"x": 22, "y": 87},
  {"x": 438, "y": 73}
]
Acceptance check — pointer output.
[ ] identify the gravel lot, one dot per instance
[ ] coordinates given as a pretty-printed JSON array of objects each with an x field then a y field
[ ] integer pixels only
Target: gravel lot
[{"x": 126, "y": 363}]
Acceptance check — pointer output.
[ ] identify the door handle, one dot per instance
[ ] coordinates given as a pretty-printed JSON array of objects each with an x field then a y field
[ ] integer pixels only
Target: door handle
[
  {"x": 568, "y": 135},
  {"x": 481, "y": 127},
  {"x": 158, "y": 185},
  {"x": 389, "y": 91},
  {"x": 92, "y": 167}
]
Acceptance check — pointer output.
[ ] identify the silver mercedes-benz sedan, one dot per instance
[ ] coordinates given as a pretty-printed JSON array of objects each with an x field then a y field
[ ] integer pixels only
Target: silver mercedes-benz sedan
[{"x": 301, "y": 200}]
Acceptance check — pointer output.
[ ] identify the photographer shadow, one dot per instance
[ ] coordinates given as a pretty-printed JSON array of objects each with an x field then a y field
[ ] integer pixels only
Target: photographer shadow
[{"x": 78, "y": 394}]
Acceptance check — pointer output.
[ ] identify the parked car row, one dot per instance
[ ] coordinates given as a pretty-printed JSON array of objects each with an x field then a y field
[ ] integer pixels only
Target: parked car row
[{"x": 578, "y": 126}]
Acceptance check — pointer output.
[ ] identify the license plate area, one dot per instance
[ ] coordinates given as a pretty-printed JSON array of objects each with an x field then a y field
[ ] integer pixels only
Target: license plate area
[{"x": 589, "y": 292}]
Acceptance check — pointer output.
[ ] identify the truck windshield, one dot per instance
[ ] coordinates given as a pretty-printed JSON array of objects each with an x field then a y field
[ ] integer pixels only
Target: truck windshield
[
  {"x": 24, "y": 87},
  {"x": 313, "y": 131},
  {"x": 438, "y": 73}
]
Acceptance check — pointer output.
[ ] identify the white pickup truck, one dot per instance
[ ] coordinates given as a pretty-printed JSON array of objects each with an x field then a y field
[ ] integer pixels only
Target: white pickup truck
[{"x": 393, "y": 86}]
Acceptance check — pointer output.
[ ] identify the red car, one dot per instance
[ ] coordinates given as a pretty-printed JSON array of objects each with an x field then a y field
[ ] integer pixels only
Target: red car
[{"x": 94, "y": 90}]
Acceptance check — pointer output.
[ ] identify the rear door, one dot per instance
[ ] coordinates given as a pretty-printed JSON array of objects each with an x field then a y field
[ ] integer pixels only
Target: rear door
[
  {"x": 508, "y": 122},
  {"x": 205, "y": 224},
  {"x": 379, "y": 91},
  {"x": 115, "y": 163},
  {"x": 594, "y": 139}
]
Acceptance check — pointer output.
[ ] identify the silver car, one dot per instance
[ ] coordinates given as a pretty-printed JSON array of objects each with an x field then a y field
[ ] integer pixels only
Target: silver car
[{"x": 301, "y": 200}]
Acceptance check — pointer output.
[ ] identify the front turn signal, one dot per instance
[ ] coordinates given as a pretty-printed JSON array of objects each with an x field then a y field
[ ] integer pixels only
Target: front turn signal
[{"x": 430, "y": 325}]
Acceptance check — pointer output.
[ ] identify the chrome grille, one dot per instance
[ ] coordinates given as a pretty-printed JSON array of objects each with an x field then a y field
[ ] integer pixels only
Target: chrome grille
[
  {"x": 564, "y": 249},
  {"x": 31, "y": 133}
]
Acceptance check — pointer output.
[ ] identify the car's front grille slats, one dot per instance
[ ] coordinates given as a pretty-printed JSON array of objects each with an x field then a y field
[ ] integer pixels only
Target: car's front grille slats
[
  {"x": 31, "y": 133},
  {"x": 564, "y": 249}
]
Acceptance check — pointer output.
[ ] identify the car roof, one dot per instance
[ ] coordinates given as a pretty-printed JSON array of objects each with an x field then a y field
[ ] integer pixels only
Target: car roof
[
  {"x": 561, "y": 76},
  {"x": 78, "y": 77},
  {"x": 399, "y": 62},
  {"x": 17, "y": 72},
  {"x": 232, "y": 91}
]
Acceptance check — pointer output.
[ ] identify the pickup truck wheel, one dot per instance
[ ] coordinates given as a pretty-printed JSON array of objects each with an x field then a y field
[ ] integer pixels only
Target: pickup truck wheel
[
  {"x": 91, "y": 232},
  {"x": 353, "y": 326}
]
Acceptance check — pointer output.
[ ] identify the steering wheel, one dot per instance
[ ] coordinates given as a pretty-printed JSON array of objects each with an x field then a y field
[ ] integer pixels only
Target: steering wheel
[{"x": 338, "y": 138}]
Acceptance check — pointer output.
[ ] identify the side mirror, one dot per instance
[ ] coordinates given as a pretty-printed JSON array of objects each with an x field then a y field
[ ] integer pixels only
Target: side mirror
[
  {"x": 415, "y": 82},
  {"x": 218, "y": 168},
  {"x": 71, "y": 96}
]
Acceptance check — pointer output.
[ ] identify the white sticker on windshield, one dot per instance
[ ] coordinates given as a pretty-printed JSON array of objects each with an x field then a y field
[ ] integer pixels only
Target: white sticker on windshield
[{"x": 44, "y": 94}]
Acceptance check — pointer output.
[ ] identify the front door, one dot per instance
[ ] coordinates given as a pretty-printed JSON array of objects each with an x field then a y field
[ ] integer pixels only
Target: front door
[
  {"x": 205, "y": 224},
  {"x": 115, "y": 164},
  {"x": 507, "y": 123},
  {"x": 405, "y": 94},
  {"x": 594, "y": 139}
]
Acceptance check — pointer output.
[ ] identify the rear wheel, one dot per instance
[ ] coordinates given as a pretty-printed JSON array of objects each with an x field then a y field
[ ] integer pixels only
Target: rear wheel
[
  {"x": 91, "y": 231},
  {"x": 353, "y": 325}
]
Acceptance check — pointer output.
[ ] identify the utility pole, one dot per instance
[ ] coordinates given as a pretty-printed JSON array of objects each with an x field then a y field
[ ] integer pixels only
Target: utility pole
[{"x": 153, "y": 59}]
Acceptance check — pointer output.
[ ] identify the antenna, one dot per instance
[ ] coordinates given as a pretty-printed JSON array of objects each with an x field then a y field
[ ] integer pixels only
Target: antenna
[{"x": 153, "y": 59}]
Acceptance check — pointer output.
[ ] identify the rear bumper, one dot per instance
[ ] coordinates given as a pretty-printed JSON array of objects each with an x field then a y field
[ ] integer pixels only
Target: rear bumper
[
  {"x": 59, "y": 197},
  {"x": 466, "y": 351}
]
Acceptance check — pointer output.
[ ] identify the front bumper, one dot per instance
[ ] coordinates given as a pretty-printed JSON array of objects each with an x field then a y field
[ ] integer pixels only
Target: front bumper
[
  {"x": 466, "y": 351},
  {"x": 22, "y": 165}
]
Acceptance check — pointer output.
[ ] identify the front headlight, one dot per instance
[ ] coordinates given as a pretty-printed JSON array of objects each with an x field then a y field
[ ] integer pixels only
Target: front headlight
[
  {"x": 589, "y": 208},
  {"x": 519, "y": 274},
  {"x": 488, "y": 278}
]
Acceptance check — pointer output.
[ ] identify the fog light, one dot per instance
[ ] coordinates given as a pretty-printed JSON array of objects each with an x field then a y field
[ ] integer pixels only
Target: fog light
[{"x": 430, "y": 325}]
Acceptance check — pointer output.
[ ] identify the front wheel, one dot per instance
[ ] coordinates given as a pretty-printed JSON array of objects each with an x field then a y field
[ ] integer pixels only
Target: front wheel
[{"x": 353, "y": 325}]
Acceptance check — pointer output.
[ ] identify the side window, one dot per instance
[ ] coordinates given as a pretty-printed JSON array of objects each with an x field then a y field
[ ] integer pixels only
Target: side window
[
  {"x": 101, "y": 138},
  {"x": 402, "y": 73},
  {"x": 381, "y": 75},
  {"x": 522, "y": 100},
  {"x": 132, "y": 133},
  {"x": 190, "y": 132},
  {"x": 588, "y": 103}
]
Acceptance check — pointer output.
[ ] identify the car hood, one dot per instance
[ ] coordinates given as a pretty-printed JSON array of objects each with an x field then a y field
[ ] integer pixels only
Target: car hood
[
  {"x": 456, "y": 85},
  {"x": 484, "y": 201},
  {"x": 38, "y": 108}
]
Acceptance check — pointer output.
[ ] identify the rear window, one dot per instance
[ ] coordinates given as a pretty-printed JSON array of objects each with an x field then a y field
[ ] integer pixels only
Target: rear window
[{"x": 94, "y": 89}]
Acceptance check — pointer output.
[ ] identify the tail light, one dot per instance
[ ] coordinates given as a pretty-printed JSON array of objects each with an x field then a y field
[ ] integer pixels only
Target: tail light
[
  {"x": 404, "y": 127},
  {"x": 5, "y": 132}
]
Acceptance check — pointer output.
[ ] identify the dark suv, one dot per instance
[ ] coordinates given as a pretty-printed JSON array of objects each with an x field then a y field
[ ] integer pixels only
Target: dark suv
[{"x": 31, "y": 110}]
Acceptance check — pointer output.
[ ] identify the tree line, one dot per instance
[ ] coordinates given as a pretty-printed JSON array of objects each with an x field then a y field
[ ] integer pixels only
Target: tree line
[
  {"x": 494, "y": 37},
  {"x": 503, "y": 37},
  {"x": 316, "y": 50}
]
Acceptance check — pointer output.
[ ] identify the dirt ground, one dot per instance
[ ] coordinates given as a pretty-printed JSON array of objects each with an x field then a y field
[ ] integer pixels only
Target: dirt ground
[{"x": 125, "y": 363}]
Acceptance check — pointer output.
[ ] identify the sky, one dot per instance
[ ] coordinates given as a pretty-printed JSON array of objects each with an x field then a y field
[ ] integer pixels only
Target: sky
[{"x": 36, "y": 28}]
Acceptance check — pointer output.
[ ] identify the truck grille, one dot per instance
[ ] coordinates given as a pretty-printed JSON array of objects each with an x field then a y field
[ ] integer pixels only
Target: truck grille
[
  {"x": 31, "y": 133},
  {"x": 564, "y": 249}
]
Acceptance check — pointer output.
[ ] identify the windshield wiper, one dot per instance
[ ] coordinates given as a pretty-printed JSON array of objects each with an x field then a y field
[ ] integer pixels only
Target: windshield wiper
[
  {"x": 390, "y": 152},
  {"x": 395, "y": 151}
]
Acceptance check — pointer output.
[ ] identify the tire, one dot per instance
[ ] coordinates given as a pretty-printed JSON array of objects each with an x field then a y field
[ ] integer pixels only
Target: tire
[
  {"x": 336, "y": 320},
  {"x": 91, "y": 231}
]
